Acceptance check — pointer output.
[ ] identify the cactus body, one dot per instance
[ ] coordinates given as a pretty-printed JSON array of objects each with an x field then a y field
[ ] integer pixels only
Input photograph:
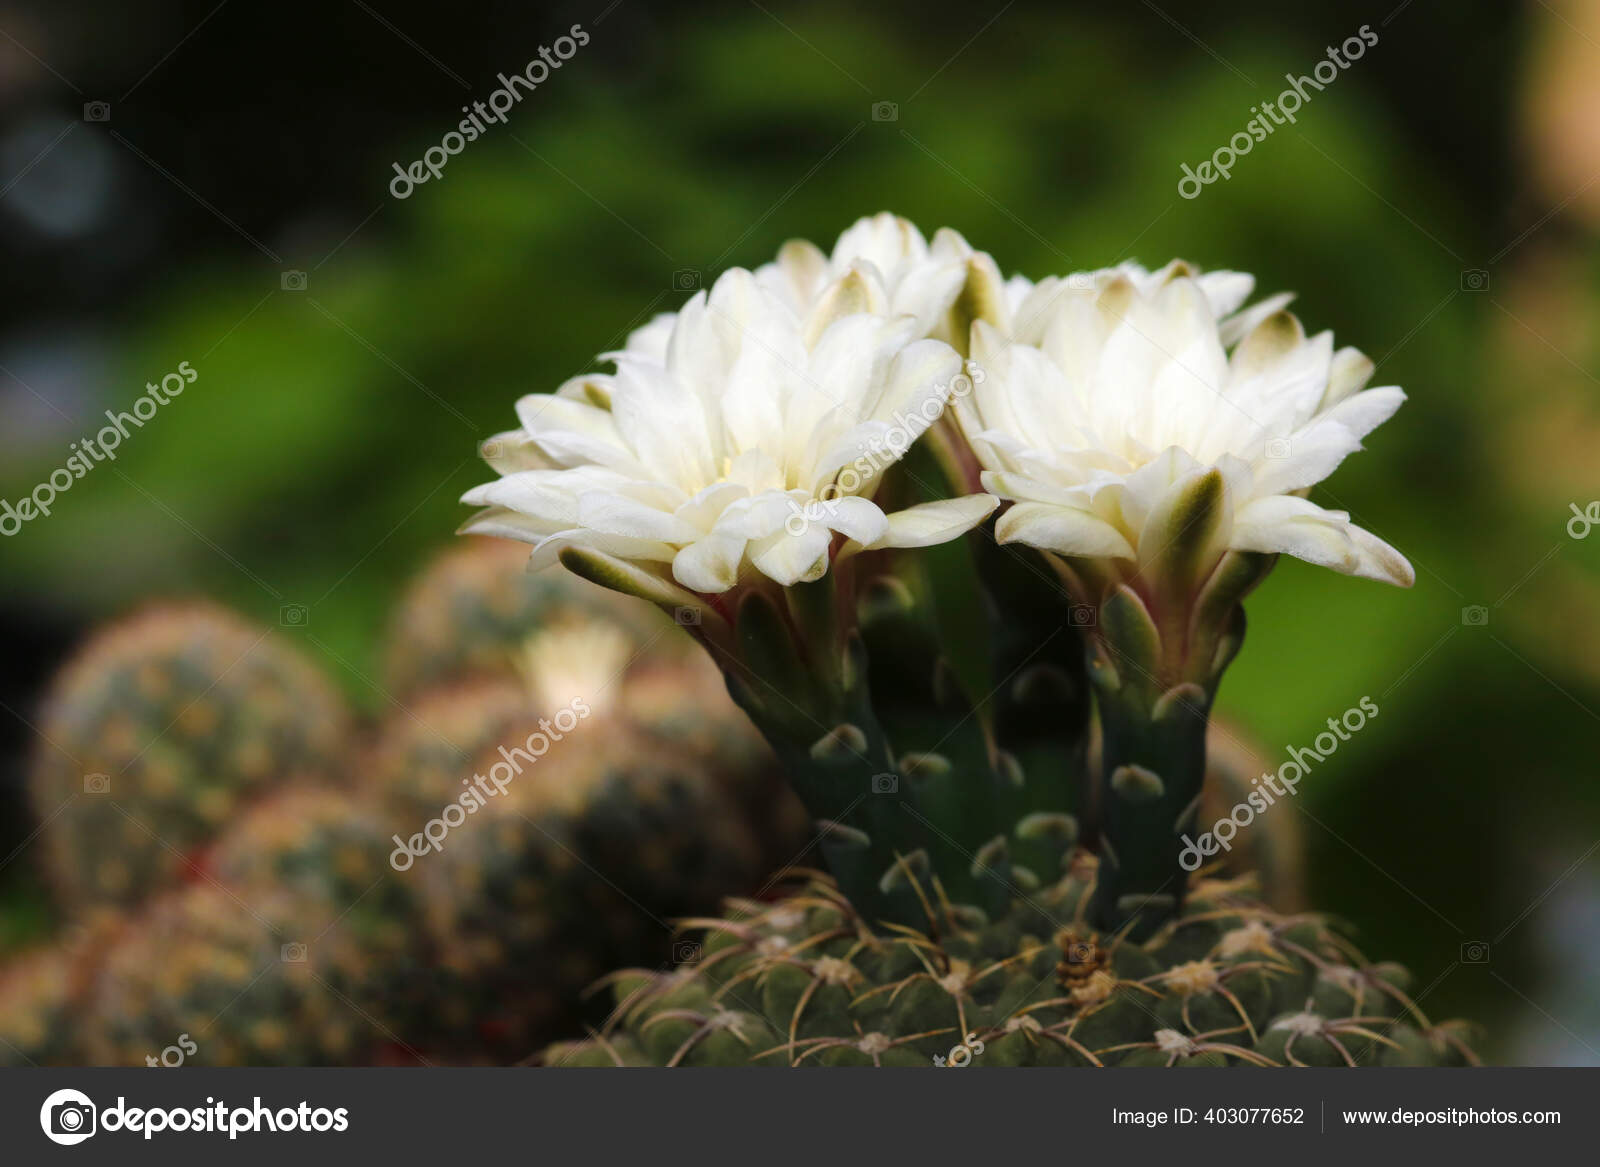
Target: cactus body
[
  {"x": 208, "y": 963},
  {"x": 683, "y": 702},
  {"x": 422, "y": 752},
  {"x": 1273, "y": 848},
  {"x": 805, "y": 981},
  {"x": 327, "y": 854},
  {"x": 657, "y": 799},
  {"x": 467, "y": 615},
  {"x": 583, "y": 858},
  {"x": 156, "y": 733},
  {"x": 37, "y": 1017}
]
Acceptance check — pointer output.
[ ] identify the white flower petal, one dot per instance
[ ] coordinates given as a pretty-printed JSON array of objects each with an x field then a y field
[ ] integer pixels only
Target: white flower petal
[
  {"x": 1240, "y": 324},
  {"x": 541, "y": 412},
  {"x": 710, "y": 564},
  {"x": 512, "y": 452},
  {"x": 1351, "y": 371},
  {"x": 854, "y": 518},
  {"x": 648, "y": 342},
  {"x": 1290, "y": 525},
  {"x": 546, "y": 494},
  {"x": 931, "y": 523},
  {"x": 1380, "y": 561},
  {"x": 1020, "y": 487},
  {"x": 502, "y": 523},
  {"x": 549, "y": 549},
  {"x": 616, "y": 514},
  {"x": 1309, "y": 456},
  {"x": 1063, "y": 530},
  {"x": 1294, "y": 526},
  {"x": 793, "y": 558}
]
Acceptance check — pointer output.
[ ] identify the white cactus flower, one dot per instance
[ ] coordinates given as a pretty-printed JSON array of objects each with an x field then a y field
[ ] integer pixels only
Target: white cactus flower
[
  {"x": 918, "y": 278},
  {"x": 1030, "y": 306},
  {"x": 1119, "y": 391},
  {"x": 741, "y": 438}
]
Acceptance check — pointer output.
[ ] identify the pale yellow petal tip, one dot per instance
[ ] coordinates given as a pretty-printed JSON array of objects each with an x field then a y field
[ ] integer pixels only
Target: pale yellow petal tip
[{"x": 1380, "y": 561}]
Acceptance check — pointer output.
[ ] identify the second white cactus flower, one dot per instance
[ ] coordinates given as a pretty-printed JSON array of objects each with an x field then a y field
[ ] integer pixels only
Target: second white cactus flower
[
  {"x": 1142, "y": 414},
  {"x": 919, "y": 278},
  {"x": 739, "y": 438}
]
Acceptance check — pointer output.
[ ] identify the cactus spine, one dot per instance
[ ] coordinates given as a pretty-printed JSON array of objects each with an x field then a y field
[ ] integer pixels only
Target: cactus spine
[{"x": 808, "y": 981}]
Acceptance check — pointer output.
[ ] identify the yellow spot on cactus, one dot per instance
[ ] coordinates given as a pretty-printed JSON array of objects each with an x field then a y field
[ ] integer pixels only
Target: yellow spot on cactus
[
  {"x": 152, "y": 681},
  {"x": 199, "y": 719},
  {"x": 253, "y": 759},
  {"x": 1170, "y": 1041},
  {"x": 956, "y": 980},
  {"x": 874, "y": 1043},
  {"x": 353, "y": 862},
  {"x": 1097, "y": 988},
  {"x": 830, "y": 970},
  {"x": 160, "y": 778},
  {"x": 269, "y": 1035},
  {"x": 112, "y": 876},
  {"x": 213, "y": 805},
  {"x": 1254, "y": 936},
  {"x": 1195, "y": 976},
  {"x": 120, "y": 735}
]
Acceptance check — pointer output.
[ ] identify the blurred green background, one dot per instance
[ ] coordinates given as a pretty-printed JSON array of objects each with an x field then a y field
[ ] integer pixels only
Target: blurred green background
[{"x": 1436, "y": 206}]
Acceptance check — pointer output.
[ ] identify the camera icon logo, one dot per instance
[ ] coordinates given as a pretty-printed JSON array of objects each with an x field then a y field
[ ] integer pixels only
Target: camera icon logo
[
  {"x": 1475, "y": 952},
  {"x": 1081, "y": 281},
  {"x": 68, "y": 1117},
  {"x": 1474, "y": 279},
  {"x": 1278, "y": 449},
  {"x": 97, "y": 111},
  {"x": 491, "y": 449},
  {"x": 885, "y": 783},
  {"x": 685, "y": 952},
  {"x": 293, "y": 281},
  {"x": 97, "y": 783},
  {"x": 685, "y": 279},
  {"x": 1081, "y": 952},
  {"x": 1082, "y": 616},
  {"x": 294, "y": 615},
  {"x": 687, "y": 617},
  {"x": 292, "y": 953},
  {"x": 1475, "y": 616},
  {"x": 885, "y": 111}
]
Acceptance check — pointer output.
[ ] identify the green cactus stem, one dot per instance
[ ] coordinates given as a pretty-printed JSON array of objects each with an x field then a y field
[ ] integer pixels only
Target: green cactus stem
[{"x": 1157, "y": 655}]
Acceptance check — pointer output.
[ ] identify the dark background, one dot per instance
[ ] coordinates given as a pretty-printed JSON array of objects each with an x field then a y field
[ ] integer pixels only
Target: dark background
[{"x": 318, "y": 459}]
